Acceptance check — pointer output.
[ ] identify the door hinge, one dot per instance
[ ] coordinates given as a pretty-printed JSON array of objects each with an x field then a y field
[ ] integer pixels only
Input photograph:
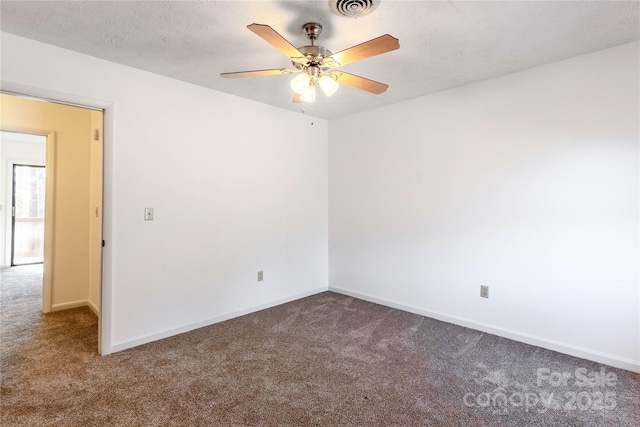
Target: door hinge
[
  {"x": 103, "y": 243},
  {"x": 96, "y": 135}
]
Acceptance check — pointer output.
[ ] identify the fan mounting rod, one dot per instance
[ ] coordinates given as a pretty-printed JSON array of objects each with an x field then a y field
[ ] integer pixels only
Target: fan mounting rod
[{"x": 313, "y": 55}]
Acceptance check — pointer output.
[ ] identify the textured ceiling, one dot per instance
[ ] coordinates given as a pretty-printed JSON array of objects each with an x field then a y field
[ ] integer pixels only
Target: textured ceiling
[{"x": 443, "y": 44}]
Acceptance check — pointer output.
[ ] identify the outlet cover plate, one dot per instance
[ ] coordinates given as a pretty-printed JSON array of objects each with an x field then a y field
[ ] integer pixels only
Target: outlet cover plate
[{"x": 484, "y": 291}]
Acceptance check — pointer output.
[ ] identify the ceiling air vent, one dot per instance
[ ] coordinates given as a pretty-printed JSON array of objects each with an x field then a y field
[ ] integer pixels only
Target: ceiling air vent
[{"x": 354, "y": 8}]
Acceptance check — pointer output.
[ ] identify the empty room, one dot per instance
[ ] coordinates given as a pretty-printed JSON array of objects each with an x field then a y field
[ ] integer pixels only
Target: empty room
[{"x": 320, "y": 213}]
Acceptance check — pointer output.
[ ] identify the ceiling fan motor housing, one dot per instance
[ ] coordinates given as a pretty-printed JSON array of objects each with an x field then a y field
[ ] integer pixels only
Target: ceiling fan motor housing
[{"x": 315, "y": 55}]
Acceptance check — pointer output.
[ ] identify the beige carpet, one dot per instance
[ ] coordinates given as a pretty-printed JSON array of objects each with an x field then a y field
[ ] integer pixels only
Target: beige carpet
[{"x": 326, "y": 360}]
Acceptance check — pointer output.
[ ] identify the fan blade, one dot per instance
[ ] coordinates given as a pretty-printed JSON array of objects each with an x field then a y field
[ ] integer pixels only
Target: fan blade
[
  {"x": 257, "y": 73},
  {"x": 364, "y": 50},
  {"x": 276, "y": 40},
  {"x": 359, "y": 82},
  {"x": 297, "y": 99}
]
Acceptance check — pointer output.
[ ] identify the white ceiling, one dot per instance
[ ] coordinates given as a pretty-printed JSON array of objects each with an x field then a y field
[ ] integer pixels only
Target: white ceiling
[{"x": 443, "y": 44}]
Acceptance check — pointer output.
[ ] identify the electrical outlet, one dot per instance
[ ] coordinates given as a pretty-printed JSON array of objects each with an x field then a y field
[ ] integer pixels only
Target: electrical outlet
[
  {"x": 260, "y": 276},
  {"x": 484, "y": 291}
]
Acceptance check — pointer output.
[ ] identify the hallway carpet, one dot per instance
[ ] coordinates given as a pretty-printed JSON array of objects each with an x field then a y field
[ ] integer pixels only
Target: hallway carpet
[{"x": 325, "y": 360}]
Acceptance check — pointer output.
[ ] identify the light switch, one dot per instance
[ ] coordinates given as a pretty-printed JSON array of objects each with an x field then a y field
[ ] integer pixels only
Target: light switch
[{"x": 148, "y": 214}]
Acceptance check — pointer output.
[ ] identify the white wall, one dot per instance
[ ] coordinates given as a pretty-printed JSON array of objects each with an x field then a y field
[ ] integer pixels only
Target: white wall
[
  {"x": 233, "y": 191},
  {"x": 14, "y": 151},
  {"x": 527, "y": 183}
]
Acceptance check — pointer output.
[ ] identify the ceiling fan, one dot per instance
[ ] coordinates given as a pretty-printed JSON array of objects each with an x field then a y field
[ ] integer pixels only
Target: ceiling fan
[{"x": 317, "y": 64}]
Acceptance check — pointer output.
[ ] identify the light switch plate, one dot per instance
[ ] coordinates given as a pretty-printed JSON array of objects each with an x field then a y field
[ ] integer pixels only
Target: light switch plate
[{"x": 148, "y": 214}]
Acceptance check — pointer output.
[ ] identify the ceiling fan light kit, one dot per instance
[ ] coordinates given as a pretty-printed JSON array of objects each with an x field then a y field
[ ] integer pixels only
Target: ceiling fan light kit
[
  {"x": 303, "y": 85},
  {"x": 316, "y": 63},
  {"x": 328, "y": 84}
]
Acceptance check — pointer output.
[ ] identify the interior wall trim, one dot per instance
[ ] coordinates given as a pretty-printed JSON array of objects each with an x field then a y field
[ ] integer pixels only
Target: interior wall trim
[
  {"x": 93, "y": 307},
  {"x": 560, "y": 347},
  {"x": 71, "y": 304},
  {"x": 166, "y": 333},
  {"x": 50, "y": 100}
]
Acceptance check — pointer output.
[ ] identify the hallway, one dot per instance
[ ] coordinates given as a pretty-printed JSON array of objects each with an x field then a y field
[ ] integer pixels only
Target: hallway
[{"x": 43, "y": 350}]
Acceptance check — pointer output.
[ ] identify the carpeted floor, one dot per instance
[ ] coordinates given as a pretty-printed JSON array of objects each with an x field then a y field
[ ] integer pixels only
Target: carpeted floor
[{"x": 325, "y": 360}]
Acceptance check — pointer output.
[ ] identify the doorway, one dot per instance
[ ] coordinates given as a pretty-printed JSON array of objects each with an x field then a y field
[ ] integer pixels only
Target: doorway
[
  {"x": 73, "y": 189},
  {"x": 27, "y": 219}
]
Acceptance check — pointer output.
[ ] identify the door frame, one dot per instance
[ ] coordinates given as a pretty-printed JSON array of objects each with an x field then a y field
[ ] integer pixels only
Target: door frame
[
  {"x": 49, "y": 200},
  {"x": 16, "y": 89}
]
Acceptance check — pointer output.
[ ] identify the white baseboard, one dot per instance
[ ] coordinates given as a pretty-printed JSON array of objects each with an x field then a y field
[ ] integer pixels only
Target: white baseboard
[
  {"x": 68, "y": 305},
  {"x": 584, "y": 353},
  {"x": 147, "y": 338},
  {"x": 93, "y": 307}
]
